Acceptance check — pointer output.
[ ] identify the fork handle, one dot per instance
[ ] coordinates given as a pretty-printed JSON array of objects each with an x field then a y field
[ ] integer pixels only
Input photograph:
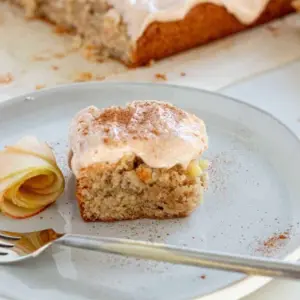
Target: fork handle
[{"x": 184, "y": 256}]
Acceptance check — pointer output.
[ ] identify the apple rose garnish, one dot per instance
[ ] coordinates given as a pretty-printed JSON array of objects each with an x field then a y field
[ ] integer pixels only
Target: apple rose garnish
[{"x": 30, "y": 179}]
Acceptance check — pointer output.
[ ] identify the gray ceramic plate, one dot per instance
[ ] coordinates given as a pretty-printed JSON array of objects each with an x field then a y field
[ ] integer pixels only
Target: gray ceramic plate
[{"x": 253, "y": 194}]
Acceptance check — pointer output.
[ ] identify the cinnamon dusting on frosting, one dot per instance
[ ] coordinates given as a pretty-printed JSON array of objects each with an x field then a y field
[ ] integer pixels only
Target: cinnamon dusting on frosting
[
  {"x": 158, "y": 132},
  {"x": 140, "y": 120}
]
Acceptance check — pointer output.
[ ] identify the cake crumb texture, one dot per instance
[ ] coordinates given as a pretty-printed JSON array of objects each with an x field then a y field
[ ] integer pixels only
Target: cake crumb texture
[{"x": 129, "y": 189}]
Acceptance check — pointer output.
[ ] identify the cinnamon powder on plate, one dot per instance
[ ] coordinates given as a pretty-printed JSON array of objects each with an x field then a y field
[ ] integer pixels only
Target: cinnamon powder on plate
[{"x": 274, "y": 243}]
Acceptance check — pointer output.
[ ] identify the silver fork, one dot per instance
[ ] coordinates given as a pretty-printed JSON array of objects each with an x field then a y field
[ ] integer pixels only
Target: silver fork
[{"x": 15, "y": 247}]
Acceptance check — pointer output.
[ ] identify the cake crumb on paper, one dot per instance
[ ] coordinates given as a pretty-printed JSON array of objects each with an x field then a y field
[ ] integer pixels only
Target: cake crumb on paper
[
  {"x": 161, "y": 76},
  {"x": 40, "y": 86},
  {"x": 83, "y": 77},
  {"x": 87, "y": 76},
  {"x": 6, "y": 78}
]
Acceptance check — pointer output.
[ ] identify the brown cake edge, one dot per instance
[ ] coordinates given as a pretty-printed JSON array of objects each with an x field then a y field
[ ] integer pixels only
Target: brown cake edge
[{"x": 204, "y": 23}]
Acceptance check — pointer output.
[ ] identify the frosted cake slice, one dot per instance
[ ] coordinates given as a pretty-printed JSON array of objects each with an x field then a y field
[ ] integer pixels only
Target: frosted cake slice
[
  {"x": 137, "y": 32},
  {"x": 138, "y": 161}
]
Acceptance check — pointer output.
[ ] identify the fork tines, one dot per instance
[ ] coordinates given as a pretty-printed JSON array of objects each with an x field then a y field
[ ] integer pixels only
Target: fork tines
[
  {"x": 10, "y": 236},
  {"x": 7, "y": 240}
]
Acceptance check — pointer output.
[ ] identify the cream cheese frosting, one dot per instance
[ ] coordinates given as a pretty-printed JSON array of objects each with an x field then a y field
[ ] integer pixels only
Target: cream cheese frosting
[
  {"x": 138, "y": 14},
  {"x": 157, "y": 132}
]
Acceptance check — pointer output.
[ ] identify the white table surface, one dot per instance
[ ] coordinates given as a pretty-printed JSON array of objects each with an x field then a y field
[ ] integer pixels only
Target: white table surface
[{"x": 239, "y": 67}]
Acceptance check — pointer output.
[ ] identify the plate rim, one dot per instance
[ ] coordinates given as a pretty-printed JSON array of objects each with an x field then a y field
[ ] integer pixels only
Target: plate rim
[{"x": 239, "y": 288}]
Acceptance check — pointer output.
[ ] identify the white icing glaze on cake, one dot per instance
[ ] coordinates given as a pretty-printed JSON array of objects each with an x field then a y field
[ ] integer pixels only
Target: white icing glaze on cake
[
  {"x": 157, "y": 132},
  {"x": 138, "y": 14}
]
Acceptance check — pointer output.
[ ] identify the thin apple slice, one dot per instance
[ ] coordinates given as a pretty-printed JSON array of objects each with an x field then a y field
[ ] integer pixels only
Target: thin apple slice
[
  {"x": 40, "y": 182},
  {"x": 30, "y": 179},
  {"x": 13, "y": 163},
  {"x": 16, "y": 212},
  {"x": 31, "y": 200},
  {"x": 57, "y": 182},
  {"x": 19, "y": 191},
  {"x": 31, "y": 145}
]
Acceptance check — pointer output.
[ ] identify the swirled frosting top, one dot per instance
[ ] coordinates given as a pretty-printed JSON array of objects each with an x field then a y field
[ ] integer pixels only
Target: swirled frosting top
[{"x": 161, "y": 134}]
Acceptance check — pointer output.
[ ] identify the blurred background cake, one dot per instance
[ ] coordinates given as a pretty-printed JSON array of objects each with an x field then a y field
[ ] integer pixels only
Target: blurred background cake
[
  {"x": 140, "y": 161},
  {"x": 137, "y": 32}
]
